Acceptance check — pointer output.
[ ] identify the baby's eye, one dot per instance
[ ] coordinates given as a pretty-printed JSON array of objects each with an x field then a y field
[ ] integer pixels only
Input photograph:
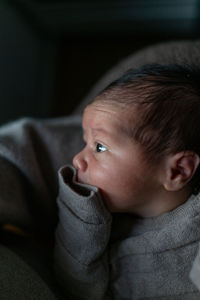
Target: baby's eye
[{"x": 101, "y": 148}]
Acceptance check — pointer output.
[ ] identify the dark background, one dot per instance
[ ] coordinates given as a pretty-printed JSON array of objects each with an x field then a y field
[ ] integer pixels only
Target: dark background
[{"x": 52, "y": 52}]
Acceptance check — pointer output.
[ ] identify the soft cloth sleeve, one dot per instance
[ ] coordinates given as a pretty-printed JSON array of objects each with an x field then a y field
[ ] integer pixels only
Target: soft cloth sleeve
[
  {"x": 195, "y": 271},
  {"x": 82, "y": 235}
]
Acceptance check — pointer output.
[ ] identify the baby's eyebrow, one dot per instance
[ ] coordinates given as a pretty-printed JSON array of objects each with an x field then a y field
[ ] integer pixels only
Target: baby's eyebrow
[
  {"x": 100, "y": 129},
  {"x": 112, "y": 134}
]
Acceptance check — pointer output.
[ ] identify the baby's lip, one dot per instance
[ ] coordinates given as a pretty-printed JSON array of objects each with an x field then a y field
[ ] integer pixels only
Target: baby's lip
[{"x": 79, "y": 180}]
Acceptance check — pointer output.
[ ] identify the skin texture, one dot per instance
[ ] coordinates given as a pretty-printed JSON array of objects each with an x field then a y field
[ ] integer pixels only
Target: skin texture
[
  {"x": 116, "y": 164},
  {"x": 119, "y": 170}
]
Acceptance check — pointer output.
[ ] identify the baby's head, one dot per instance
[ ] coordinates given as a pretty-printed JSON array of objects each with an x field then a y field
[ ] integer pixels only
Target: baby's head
[{"x": 142, "y": 140}]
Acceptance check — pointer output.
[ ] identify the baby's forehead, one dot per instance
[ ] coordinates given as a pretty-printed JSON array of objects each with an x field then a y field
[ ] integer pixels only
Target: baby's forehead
[
  {"x": 121, "y": 109},
  {"x": 109, "y": 116}
]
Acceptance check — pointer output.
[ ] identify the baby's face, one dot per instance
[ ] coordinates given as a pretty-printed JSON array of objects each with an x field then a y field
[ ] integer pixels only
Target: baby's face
[{"x": 112, "y": 161}]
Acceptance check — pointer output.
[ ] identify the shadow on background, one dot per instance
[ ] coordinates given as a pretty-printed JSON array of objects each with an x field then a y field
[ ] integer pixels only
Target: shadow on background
[{"x": 52, "y": 52}]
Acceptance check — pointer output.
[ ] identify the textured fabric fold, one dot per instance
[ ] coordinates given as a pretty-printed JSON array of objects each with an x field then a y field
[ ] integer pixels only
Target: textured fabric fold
[{"x": 82, "y": 236}]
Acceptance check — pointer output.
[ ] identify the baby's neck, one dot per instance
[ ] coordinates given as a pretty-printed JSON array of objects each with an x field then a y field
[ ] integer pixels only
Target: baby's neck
[{"x": 165, "y": 202}]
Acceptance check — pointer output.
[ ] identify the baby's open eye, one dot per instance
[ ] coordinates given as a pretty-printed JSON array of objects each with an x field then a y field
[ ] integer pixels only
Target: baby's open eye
[{"x": 101, "y": 148}]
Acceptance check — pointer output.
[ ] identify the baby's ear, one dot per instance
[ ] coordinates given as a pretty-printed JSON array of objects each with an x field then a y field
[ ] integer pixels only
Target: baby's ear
[{"x": 180, "y": 168}]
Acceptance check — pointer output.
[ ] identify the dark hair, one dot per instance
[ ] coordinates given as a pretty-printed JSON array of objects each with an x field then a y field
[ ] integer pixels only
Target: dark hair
[{"x": 167, "y": 99}]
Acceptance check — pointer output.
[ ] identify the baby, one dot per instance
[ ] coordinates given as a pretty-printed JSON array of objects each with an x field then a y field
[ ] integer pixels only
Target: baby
[{"x": 129, "y": 225}]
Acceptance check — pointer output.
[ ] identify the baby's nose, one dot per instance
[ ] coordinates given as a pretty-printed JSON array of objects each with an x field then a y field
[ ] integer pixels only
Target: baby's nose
[{"x": 80, "y": 162}]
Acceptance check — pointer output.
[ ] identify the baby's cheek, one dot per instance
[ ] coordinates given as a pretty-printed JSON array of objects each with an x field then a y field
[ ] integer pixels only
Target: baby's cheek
[
  {"x": 98, "y": 177},
  {"x": 108, "y": 183}
]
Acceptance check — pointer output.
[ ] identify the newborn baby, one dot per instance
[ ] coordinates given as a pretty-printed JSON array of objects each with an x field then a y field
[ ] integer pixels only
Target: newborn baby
[{"x": 127, "y": 207}]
